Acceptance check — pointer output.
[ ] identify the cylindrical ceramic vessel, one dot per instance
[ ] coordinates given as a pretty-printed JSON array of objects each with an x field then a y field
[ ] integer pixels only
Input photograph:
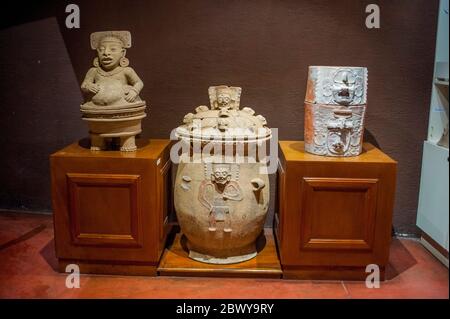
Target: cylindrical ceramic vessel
[
  {"x": 335, "y": 106},
  {"x": 221, "y": 202}
]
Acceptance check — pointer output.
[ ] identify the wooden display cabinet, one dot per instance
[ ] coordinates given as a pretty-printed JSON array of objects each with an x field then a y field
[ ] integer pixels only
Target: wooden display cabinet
[
  {"x": 111, "y": 208},
  {"x": 335, "y": 214}
]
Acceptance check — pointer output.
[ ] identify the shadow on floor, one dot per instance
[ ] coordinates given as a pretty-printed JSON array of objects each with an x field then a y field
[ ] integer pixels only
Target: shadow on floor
[
  {"x": 399, "y": 262},
  {"x": 48, "y": 253}
]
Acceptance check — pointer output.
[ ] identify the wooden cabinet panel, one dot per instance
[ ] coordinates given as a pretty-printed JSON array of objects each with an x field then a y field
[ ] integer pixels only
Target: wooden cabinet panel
[
  {"x": 105, "y": 210},
  {"x": 337, "y": 213}
]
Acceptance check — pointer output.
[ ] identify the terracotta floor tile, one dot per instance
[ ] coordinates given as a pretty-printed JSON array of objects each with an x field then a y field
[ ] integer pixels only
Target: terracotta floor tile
[
  {"x": 180, "y": 287},
  {"x": 28, "y": 270},
  {"x": 413, "y": 273}
]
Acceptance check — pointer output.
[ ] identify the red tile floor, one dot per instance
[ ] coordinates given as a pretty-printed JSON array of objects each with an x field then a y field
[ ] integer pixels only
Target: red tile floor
[{"x": 28, "y": 263}]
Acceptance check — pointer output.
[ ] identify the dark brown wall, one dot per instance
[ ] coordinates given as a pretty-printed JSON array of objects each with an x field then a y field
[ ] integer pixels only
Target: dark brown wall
[{"x": 182, "y": 47}]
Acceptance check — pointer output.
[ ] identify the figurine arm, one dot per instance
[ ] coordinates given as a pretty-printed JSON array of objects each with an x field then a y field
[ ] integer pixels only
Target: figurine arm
[
  {"x": 233, "y": 192},
  {"x": 88, "y": 85},
  {"x": 134, "y": 80},
  {"x": 202, "y": 196}
]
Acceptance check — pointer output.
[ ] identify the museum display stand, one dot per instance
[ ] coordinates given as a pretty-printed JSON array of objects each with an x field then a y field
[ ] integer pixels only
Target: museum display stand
[
  {"x": 111, "y": 215},
  {"x": 266, "y": 264},
  {"x": 335, "y": 213},
  {"x": 111, "y": 208}
]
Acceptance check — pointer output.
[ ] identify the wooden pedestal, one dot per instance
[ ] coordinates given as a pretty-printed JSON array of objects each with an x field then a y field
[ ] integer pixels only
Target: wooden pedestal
[
  {"x": 111, "y": 207},
  {"x": 335, "y": 214},
  {"x": 176, "y": 262}
]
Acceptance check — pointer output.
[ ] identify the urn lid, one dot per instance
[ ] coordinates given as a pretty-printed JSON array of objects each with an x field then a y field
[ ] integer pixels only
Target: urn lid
[
  {"x": 224, "y": 120},
  {"x": 337, "y": 85}
]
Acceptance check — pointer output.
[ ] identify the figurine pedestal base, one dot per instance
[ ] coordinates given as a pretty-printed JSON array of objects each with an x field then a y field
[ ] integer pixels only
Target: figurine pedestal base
[
  {"x": 335, "y": 213},
  {"x": 110, "y": 207},
  {"x": 176, "y": 262}
]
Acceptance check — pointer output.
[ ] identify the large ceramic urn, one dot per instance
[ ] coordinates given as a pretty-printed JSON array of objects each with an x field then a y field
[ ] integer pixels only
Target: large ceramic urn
[{"x": 222, "y": 187}]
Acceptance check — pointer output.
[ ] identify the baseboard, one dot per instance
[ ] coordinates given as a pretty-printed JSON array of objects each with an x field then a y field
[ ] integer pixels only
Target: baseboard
[
  {"x": 24, "y": 211},
  {"x": 430, "y": 246}
]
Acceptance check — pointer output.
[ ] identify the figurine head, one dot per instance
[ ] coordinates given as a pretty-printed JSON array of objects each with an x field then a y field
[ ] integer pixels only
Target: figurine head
[
  {"x": 344, "y": 87},
  {"x": 223, "y": 120},
  {"x": 221, "y": 174},
  {"x": 109, "y": 52},
  {"x": 111, "y": 48},
  {"x": 223, "y": 96},
  {"x": 222, "y": 124}
]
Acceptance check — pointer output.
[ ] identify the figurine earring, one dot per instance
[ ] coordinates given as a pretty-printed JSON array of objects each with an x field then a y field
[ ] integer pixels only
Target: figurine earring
[
  {"x": 96, "y": 63},
  {"x": 124, "y": 62}
]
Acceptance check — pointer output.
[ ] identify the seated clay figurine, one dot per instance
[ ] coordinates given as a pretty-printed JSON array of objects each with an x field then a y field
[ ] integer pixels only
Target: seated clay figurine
[{"x": 113, "y": 107}]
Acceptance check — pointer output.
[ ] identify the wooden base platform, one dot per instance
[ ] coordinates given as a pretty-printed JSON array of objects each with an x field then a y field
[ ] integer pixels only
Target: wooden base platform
[{"x": 175, "y": 262}]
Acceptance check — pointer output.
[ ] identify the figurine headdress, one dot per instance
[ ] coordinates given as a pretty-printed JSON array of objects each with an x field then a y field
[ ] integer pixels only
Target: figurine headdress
[
  {"x": 123, "y": 36},
  {"x": 223, "y": 89}
]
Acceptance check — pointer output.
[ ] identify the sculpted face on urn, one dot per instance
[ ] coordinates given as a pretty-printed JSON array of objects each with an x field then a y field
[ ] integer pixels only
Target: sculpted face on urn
[{"x": 223, "y": 98}]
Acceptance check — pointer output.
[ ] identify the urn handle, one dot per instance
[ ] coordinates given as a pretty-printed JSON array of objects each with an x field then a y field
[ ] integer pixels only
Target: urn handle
[{"x": 258, "y": 184}]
